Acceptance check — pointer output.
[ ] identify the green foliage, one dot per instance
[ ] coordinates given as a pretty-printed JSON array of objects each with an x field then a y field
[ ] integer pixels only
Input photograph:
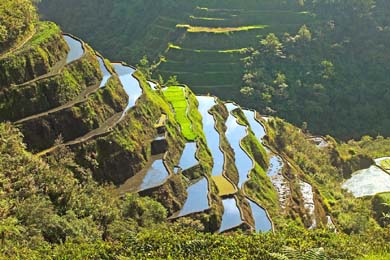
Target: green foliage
[
  {"x": 381, "y": 208},
  {"x": 144, "y": 66},
  {"x": 326, "y": 173},
  {"x": 271, "y": 45},
  {"x": 177, "y": 97},
  {"x": 305, "y": 34},
  {"x": 35, "y": 58},
  {"x": 143, "y": 210},
  {"x": 326, "y": 79},
  {"x": 373, "y": 147},
  {"x": 54, "y": 209},
  {"x": 17, "y": 18},
  {"x": 51, "y": 202}
]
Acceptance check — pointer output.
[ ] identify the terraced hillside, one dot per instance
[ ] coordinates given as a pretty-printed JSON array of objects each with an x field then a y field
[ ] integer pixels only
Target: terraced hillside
[
  {"x": 97, "y": 161},
  {"x": 136, "y": 28},
  {"x": 203, "y": 42},
  {"x": 215, "y": 38},
  {"x": 323, "y": 65},
  {"x": 145, "y": 139}
]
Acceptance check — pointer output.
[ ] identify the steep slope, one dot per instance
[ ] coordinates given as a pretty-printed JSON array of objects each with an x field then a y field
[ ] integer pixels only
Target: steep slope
[
  {"x": 109, "y": 155},
  {"x": 86, "y": 111},
  {"x": 331, "y": 57}
]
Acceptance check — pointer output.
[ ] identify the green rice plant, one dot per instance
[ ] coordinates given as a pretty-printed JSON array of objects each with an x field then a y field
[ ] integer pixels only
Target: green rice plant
[
  {"x": 385, "y": 164},
  {"x": 176, "y": 96},
  {"x": 196, "y": 29}
]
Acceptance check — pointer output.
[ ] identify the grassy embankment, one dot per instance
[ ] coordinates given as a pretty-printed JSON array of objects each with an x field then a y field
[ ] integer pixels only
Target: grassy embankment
[
  {"x": 53, "y": 89},
  {"x": 197, "y": 29},
  {"x": 36, "y": 57},
  {"x": 227, "y": 183},
  {"x": 385, "y": 164},
  {"x": 42, "y": 132},
  {"x": 259, "y": 186}
]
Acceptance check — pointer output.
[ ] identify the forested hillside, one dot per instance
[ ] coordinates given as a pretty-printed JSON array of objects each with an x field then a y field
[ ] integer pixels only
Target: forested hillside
[
  {"x": 329, "y": 72},
  {"x": 333, "y": 75},
  {"x": 98, "y": 161}
]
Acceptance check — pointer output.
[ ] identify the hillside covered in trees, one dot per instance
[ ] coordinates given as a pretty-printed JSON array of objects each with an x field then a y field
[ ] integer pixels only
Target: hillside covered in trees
[
  {"x": 100, "y": 161},
  {"x": 329, "y": 70}
]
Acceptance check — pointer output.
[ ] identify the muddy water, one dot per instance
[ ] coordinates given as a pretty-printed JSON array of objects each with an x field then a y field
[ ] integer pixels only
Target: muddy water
[
  {"x": 275, "y": 166},
  {"x": 368, "y": 182},
  {"x": 154, "y": 174},
  {"x": 308, "y": 201}
]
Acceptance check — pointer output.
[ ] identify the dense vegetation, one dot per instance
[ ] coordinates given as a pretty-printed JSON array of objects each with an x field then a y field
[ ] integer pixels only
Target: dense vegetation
[
  {"x": 323, "y": 63},
  {"x": 16, "y": 21},
  {"x": 134, "y": 28},
  {"x": 53, "y": 209},
  {"x": 71, "y": 202},
  {"x": 332, "y": 75}
]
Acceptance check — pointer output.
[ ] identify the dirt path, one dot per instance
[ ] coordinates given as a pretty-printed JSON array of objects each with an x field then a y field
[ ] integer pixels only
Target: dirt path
[
  {"x": 55, "y": 70},
  {"x": 107, "y": 127},
  {"x": 19, "y": 45},
  {"x": 82, "y": 97}
]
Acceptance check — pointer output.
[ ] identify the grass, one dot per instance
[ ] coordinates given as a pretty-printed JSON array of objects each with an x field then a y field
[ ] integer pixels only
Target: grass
[
  {"x": 207, "y": 18},
  {"x": 197, "y": 29},
  {"x": 222, "y": 33},
  {"x": 177, "y": 97},
  {"x": 259, "y": 186},
  {"x": 45, "y": 31},
  {"x": 385, "y": 164},
  {"x": 240, "y": 50},
  {"x": 224, "y": 186},
  {"x": 179, "y": 66},
  {"x": 382, "y": 256}
]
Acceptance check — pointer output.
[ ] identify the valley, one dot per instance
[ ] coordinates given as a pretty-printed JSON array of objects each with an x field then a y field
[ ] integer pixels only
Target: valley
[
  {"x": 214, "y": 47},
  {"x": 169, "y": 158}
]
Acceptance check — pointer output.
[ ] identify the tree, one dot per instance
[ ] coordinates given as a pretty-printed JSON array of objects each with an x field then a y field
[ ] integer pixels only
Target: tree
[
  {"x": 16, "y": 18},
  {"x": 327, "y": 69},
  {"x": 144, "y": 210},
  {"x": 144, "y": 67},
  {"x": 271, "y": 45},
  {"x": 172, "y": 81},
  {"x": 247, "y": 91},
  {"x": 280, "y": 81},
  {"x": 304, "y": 34}
]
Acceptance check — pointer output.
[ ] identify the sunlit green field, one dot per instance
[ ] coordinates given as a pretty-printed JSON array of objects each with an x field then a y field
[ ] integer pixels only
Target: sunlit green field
[
  {"x": 196, "y": 29},
  {"x": 177, "y": 97},
  {"x": 385, "y": 164},
  {"x": 376, "y": 257}
]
